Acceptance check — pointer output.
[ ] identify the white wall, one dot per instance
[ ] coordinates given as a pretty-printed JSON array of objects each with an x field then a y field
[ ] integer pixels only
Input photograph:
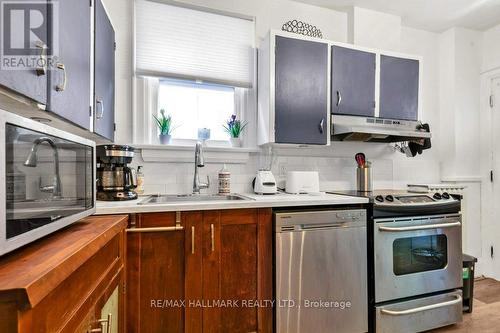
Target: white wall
[
  {"x": 491, "y": 49},
  {"x": 374, "y": 29},
  {"x": 391, "y": 169}
]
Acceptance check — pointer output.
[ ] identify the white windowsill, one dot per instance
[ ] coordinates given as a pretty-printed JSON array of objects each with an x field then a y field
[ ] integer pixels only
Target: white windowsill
[{"x": 185, "y": 153}]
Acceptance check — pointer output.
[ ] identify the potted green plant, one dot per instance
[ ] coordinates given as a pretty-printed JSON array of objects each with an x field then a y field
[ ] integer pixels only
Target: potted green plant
[
  {"x": 164, "y": 124},
  {"x": 234, "y": 128}
]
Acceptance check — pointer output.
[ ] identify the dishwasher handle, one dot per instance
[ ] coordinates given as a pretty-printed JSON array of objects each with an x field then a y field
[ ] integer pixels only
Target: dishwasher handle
[{"x": 324, "y": 225}]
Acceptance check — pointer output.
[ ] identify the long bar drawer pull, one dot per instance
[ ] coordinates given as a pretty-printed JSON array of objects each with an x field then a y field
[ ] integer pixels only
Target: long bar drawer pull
[
  {"x": 458, "y": 299},
  {"x": 156, "y": 229},
  {"x": 421, "y": 227},
  {"x": 212, "y": 237},
  {"x": 192, "y": 239}
]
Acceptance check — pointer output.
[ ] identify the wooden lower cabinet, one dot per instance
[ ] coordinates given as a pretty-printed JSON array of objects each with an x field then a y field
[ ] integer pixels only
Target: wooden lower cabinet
[
  {"x": 206, "y": 277},
  {"x": 67, "y": 282}
]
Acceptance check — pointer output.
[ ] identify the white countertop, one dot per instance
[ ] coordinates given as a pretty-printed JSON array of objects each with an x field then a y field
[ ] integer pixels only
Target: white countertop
[{"x": 258, "y": 201}]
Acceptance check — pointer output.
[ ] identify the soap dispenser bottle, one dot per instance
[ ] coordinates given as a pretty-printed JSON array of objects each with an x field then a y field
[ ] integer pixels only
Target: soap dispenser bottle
[
  {"x": 140, "y": 181},
  {"x": 224, "y": 181}
]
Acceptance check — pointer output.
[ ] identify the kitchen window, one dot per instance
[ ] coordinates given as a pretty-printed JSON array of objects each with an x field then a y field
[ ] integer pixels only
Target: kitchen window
[
  {"x": 197, "y": 64},
  {"x": 196, "y": 105}
]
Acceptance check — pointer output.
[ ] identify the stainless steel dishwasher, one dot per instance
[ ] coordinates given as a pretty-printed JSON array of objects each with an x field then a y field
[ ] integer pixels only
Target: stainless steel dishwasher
[{"x": 321, "y": 271}]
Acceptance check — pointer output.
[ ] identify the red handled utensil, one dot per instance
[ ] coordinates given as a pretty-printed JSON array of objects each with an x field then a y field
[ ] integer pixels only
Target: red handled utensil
[{"x": 360, "y": 159}]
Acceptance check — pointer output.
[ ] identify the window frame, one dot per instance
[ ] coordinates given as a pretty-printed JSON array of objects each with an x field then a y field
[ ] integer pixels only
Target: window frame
[
  {"x": 145, "y": 96},
  {"x": 148, "y": 102}
]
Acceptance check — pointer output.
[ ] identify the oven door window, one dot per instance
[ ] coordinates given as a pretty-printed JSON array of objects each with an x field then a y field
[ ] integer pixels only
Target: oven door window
[
  {"x": 419, "y": 254},
  {"x": 47, "y": 179}
]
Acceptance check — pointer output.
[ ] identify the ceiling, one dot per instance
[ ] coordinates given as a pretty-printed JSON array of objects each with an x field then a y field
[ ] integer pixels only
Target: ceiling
[{"x": 432, "y": 15}]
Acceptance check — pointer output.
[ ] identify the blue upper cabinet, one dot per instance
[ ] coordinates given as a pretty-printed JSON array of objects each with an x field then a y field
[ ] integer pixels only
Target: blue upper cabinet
[
  {"x": 399, "y": 88},
  {"x": 301, "y": 91},
  {"x": 29, "y": 81},
  {"x": 104, "y": 74},
  {"x": 353, "y": 82},
  {"x": 69, "y": 81}
]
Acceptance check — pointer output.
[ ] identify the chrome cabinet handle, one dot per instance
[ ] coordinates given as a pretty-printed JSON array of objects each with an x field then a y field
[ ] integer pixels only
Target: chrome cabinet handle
[
  {"x": 42, "y": 69},
  {"x": 421, "y": 227},
  {"x": 212, "y": 236},
  {"x": 321, "y": 125},
  {"x": 339, "y": 98},
  {"x": 62, "y": 87},
  {"x": 192, "y": 239},
  {"x": 458, "y": 299},
  {"x": 102, "y": 322},
  {"x": 99, "y": 110}
]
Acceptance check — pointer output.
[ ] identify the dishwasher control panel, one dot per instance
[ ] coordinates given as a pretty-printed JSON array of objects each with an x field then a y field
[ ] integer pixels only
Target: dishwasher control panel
[{"x": 297, "y": 220}]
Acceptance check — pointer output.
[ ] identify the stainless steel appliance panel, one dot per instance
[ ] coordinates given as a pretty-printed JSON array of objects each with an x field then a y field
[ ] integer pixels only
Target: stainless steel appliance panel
[
  {"x": 416, "y": 256},
  {"x": 321, "y": 257},
  {"x": 420, "y": 314}
]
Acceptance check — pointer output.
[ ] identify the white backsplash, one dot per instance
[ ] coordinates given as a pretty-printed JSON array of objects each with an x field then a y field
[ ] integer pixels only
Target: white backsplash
[{"x": 336, "y": 173}]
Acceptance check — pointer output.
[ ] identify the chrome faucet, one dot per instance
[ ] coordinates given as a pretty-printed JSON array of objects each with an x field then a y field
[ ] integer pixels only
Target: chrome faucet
[
  {"x": 31, "y": 161},
  {"x": 199, "y": 162}
]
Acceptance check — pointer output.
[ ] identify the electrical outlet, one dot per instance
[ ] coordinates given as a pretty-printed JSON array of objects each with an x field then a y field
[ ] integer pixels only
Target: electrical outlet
[{"x": 282, "y": 170}]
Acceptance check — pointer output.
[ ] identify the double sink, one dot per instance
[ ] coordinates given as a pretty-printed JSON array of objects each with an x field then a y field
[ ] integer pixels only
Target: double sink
[{"x": 172, "y": 198}]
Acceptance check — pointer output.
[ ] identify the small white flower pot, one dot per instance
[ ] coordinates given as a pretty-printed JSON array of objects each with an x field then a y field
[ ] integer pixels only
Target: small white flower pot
[
  {"x": 165, "y": 139},
  {"x": 235, "y": 142}
]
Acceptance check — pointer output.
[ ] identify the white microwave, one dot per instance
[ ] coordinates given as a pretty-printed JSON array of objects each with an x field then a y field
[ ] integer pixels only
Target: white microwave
[{"x": 48, "y": 177}]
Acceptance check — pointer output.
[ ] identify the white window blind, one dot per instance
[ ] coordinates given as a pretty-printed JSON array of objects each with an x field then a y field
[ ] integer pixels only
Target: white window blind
[{"x": 173, "y": 41}]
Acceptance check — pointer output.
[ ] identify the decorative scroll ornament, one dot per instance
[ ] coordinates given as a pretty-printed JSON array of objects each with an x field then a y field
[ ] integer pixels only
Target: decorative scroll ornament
[{"x": 302, "y": 28}]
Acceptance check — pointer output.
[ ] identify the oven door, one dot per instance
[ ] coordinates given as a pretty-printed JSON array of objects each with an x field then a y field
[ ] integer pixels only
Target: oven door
[{"x": 417, "y": 255}]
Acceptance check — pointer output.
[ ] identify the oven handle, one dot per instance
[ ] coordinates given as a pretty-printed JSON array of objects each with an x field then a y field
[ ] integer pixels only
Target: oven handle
[
  {"x": 458, "y": 299},
  {"x": 421, "y": 227}
]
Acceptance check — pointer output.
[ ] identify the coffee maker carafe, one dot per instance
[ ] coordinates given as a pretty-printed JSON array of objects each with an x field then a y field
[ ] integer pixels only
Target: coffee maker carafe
[{"x": 115, "y": 180}]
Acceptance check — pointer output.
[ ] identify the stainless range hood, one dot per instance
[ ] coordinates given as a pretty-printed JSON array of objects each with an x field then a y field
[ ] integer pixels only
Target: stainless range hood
[{"x": 368, "y": 129}]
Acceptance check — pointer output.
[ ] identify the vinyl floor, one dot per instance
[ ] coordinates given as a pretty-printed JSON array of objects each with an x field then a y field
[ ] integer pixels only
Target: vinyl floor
[{"x": 485, "y": 317}]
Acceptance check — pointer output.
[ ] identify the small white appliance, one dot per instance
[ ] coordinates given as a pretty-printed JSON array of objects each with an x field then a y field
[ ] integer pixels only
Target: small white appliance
[
  {"x": 299, "y": 182},
  {"x": 265, "y": 183}
]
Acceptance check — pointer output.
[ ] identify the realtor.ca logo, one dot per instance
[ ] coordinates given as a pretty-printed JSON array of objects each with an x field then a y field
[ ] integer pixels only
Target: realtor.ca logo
[{"x": 29, "y": 35}]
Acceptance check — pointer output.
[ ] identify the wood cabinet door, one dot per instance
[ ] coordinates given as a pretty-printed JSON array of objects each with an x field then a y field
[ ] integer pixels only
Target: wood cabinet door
[
  {"x": 399, "y": 85},
  {"x": 163, "y": 273},
  {"x": 301, "y": 91},
  {"x": 353, "y": 82},
  {"x": 104, "y": 74},
  {"x": 237, "y": 270},
  {"x": 109, "y": 308},
  {"x": 69, "y": 83}
]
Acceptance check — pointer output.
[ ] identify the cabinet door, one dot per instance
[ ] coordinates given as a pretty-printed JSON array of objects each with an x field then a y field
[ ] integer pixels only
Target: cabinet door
[
  {"x": 301, "y": 91},
  {"x": 399, "y": 80},
  {"x": 27, "y": 82},
  {"x": 69, "y": 90},
  {"x": 237, "y": 265},
  {"x": 353, "y": 82},
  {"x": 104, "y": 74},
  {"x": 163, "y": 272}
]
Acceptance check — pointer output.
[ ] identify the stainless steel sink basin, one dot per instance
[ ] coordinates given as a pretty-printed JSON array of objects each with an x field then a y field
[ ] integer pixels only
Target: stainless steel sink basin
[{"x": 171, "y": 198}]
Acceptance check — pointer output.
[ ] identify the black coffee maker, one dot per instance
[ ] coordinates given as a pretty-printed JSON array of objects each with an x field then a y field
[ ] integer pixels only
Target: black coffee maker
[{"x": 115, "y": 180}]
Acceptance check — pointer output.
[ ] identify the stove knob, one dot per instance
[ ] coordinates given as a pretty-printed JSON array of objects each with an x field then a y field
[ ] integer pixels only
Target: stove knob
[
  {"x": 389, "y": 198},
  {"x": 445, "y": 195},
  {"x": 437, "y": 196},
  {"x": 379, "y": 198}
]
